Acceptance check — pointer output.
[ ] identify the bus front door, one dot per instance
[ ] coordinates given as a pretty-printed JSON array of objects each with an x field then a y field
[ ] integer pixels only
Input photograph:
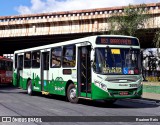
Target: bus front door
[
  {"x": 20, "y": 71},
  {"x": 44, "y": 71},
  {"x": 84, "y": 72}
]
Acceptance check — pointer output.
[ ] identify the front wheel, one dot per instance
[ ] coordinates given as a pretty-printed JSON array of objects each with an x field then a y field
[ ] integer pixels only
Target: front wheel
[
  {"x": 29, "y": 88},
  {"x": 71, "y": 94}
]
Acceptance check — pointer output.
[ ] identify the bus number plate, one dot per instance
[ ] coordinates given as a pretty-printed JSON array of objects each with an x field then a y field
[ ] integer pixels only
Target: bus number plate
[{"x": 123, "y": 93}]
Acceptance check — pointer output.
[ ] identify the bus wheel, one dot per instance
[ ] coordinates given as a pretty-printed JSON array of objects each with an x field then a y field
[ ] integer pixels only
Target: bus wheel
[
  {"x": 71, "y": 94},
  {"x": 29, "y": 88}
]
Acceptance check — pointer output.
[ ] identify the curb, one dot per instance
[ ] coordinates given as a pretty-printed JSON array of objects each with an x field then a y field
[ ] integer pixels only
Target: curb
[{"x": 156, "y": 100}]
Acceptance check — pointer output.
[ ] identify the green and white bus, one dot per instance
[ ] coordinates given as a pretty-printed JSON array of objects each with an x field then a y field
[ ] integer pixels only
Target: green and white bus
[{"x": 102, "y": 67}]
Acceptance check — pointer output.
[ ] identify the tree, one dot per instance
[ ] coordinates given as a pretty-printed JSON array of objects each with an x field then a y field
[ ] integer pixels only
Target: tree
[
  {"x": 156, "y": 42},
  {"x": 129, "y": 21}
]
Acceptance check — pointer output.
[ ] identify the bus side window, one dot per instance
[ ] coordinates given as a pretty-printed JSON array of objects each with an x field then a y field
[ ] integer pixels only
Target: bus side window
[
  {"x": 36, "y": 59},
  {"x": 27, "y": 60},
  {"x": 56, "y": 54},
  {"x": 11, "y": 66},
  {"x": 7, "y": 65},
  {"x": 69, "y": 57},
  {"x": 1, "y": 65},
  {"x": 20, "y": 62}
]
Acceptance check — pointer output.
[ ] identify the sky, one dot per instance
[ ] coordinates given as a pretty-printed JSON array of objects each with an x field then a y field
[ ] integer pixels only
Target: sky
[{"x": 19, "y": 7}]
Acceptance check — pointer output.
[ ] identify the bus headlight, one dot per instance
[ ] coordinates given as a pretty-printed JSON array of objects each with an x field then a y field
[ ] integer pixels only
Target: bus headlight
[
  {"x": 97, "y": 83},
  {"x": 140, "y": 84},
  {"x": 103, "y": 86},
  {"x": 100, "y": 85}
]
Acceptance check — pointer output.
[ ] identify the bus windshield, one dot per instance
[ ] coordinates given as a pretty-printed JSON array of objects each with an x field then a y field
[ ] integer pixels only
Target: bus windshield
[
  {"x": 122, "y": 61},
  {"x": 6, "y": 65}
]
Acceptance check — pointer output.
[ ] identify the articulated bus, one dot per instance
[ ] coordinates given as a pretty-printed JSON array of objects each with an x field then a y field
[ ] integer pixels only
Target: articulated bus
[
  {"x": 6, "y": 67},
  {"x": 103, "y": 67}
]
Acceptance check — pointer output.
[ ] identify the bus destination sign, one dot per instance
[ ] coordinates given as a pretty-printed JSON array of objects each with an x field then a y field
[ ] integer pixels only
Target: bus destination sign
[{"x": 116, "y": 41}]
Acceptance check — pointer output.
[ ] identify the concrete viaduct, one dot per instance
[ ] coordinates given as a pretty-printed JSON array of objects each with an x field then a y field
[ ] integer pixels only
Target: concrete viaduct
[{"x": 23, "y": 31}]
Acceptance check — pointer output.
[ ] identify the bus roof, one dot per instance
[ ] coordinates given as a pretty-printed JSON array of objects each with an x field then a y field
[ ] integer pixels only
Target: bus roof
[
  {"x": 5, "y": 59},
  {"x": 75, "y": 41}
]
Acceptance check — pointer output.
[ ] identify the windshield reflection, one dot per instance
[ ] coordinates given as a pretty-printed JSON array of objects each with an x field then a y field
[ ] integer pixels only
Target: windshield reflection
[{"x": 117, "y": 61}]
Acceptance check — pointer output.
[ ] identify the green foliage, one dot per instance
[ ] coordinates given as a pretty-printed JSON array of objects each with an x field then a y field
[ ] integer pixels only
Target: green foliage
[
  {"x": 128, "y": 21},
  {"x": 156, "y": 39}
]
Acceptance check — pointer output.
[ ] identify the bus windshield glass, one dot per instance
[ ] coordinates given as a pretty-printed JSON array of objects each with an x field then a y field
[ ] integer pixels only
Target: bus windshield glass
[
  {"x": 122, "y": 61},
  {"x": 6, "y": 65}
]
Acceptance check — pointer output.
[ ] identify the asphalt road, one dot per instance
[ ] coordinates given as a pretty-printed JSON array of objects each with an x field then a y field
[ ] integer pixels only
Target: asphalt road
[{"x": 16, "y": 102}]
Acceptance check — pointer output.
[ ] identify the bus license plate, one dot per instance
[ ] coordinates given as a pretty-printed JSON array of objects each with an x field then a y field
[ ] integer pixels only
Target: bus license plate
[{"x": 123, "y": 93}]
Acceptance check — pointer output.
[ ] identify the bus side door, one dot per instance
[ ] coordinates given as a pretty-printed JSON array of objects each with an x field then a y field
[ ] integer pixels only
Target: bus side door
[
  {"x": 44, "y": 70},
  {"x": 84, "y": 71}
]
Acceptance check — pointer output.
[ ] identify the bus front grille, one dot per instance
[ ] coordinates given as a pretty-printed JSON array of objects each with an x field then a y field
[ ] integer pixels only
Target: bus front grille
[{"x": 122, "y": 79}]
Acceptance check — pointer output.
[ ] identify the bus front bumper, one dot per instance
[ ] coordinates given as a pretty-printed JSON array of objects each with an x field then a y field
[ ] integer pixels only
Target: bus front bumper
[{"x": 99, "y": 94}]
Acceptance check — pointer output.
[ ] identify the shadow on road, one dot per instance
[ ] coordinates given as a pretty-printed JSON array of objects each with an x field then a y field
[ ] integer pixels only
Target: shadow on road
[
  {"x": 6, "y": 86},
  {"x": 10, "y": 89},
  {"x": 118, "y": 104}
]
